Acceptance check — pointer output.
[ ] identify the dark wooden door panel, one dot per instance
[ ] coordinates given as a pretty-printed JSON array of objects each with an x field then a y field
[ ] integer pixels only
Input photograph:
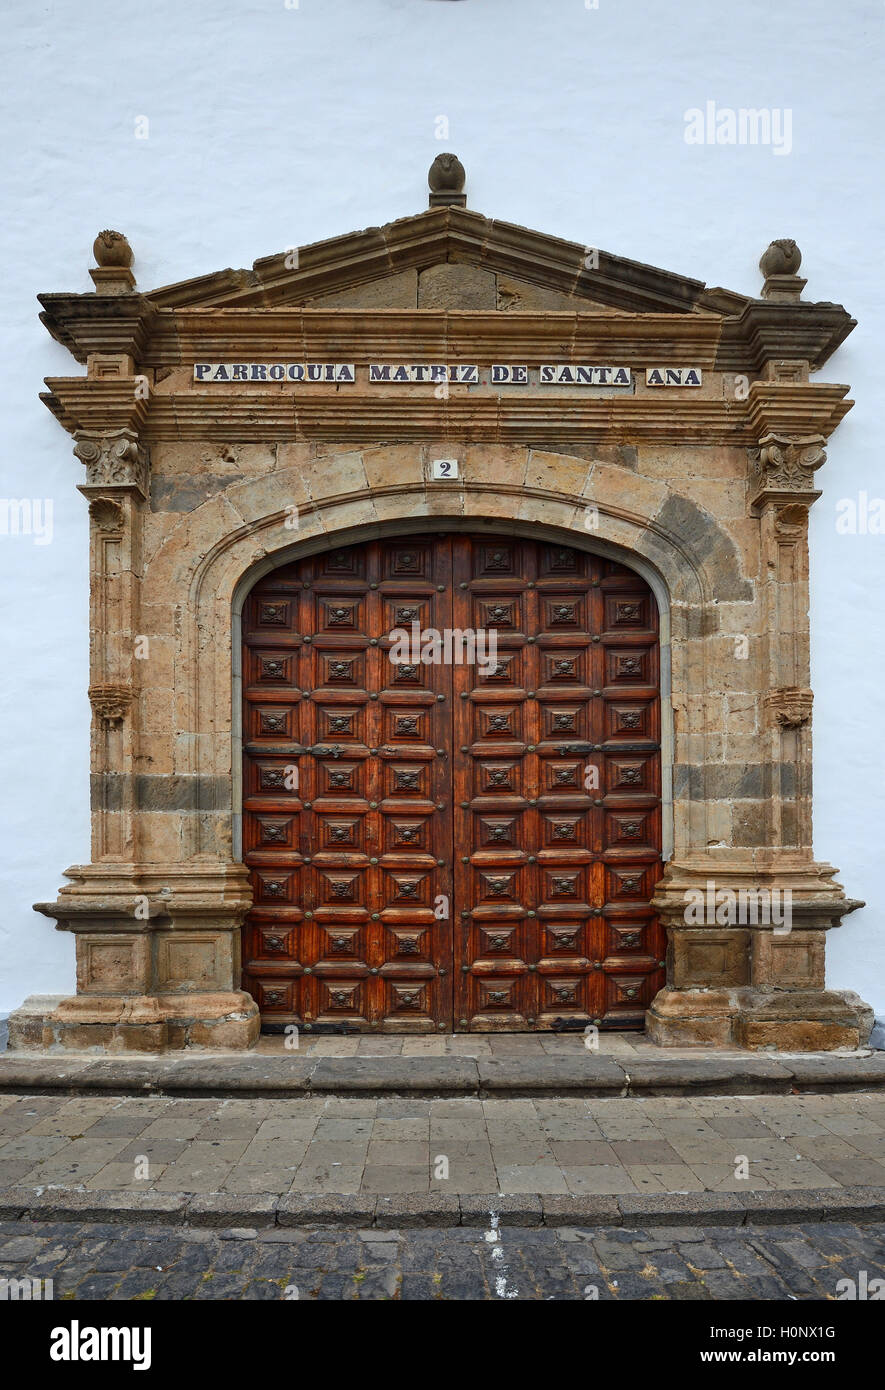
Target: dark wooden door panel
[
  {"x": 347, "y": 814},
  {"x": 558, "y": 800},
  {"x": 416, "y": 825}
]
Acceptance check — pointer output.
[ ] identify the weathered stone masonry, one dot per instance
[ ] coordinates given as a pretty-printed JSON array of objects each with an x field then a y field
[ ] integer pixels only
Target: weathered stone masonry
[{"x": 191, "y": 490}]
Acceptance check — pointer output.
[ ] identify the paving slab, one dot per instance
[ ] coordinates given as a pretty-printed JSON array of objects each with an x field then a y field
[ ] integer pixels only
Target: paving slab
[
  {"x": 589, "y": 1210},
  {"x": 240, "y": 1075},
  {"x": 704, "y": 1208},
  {"x": 320, "y": 1209},
  {"x": 72, "y": 1204},
  {"x": 391, "y": 1075},
  {"x": 533, "y": 1075},
  {"x": 815, "y": 1072},
  {"x": 434, "y": 1209},
  {"x": 521, "y": 1209},
  {"x": 707, "y": 1075},
  {"x": 231, "y": 1209}
]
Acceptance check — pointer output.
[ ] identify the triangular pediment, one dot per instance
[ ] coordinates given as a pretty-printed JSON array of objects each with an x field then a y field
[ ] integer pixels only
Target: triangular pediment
[
  {"x": 449, "y": 258},
  {"x": 448, "y": 261}
]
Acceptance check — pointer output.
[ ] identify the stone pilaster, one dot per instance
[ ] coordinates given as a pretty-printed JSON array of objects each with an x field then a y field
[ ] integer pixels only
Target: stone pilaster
[
  {"x": 157, "y": 943},
  {"x": 116, "y": 486},
  {"x": 747, "y": 939}
]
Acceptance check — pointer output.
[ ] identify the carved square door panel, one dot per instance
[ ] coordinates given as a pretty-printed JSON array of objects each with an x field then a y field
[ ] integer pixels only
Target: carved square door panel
[{"x": 452, "y": 788}]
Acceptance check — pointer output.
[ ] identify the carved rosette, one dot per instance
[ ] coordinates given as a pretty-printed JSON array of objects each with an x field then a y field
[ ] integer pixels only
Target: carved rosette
[
  {"x": 110, "y": 704},
  {"x": 790, "y": 707},
  {"x": 112, "y": 459},
  {"x": 782, "y": 469}
]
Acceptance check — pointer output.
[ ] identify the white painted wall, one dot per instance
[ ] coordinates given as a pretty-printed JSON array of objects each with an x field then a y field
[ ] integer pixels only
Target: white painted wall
[{"x": 273, "y": 126}]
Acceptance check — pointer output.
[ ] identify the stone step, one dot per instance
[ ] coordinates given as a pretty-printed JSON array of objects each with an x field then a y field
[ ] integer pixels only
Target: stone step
[
  {"x": 251, "y": 1212},
  {"x": 569, "y": 1074}
]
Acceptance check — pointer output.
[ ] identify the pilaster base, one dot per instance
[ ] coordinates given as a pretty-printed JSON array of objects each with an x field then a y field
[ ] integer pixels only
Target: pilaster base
[
  {"x": 143, "y": 1023},
  {"x": 788, "y": 1020},
  {"x": 745, "y": 956},
  {"x": 158, "y": 961}
]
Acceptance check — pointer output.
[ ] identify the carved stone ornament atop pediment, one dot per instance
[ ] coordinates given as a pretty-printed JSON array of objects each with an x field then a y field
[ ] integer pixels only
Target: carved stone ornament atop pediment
[
  {"x": 790, "y": 706},
  {"x": 784, "y": 468},
  {"x": 112, "y": 459},
  {"x": 110, "y": 703}
]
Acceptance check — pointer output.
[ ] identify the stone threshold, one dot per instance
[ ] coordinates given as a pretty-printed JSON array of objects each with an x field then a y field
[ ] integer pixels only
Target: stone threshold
[
  {"x": 575, "y": 1074},
  {"x": 860, "y": 1205}
]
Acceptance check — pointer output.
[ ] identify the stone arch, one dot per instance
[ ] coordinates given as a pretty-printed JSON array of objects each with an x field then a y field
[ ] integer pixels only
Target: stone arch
[{"x": 221, "y": 548}]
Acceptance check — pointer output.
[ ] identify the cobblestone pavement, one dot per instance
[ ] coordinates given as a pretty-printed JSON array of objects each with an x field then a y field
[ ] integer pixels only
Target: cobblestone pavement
[
  {"x": 102, "y": 1262},
  {"x": 325, "y": 1144}
]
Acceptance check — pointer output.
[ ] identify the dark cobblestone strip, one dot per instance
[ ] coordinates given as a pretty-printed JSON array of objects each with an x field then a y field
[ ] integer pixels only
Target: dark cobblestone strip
[{"x": 101, "y": 1261}]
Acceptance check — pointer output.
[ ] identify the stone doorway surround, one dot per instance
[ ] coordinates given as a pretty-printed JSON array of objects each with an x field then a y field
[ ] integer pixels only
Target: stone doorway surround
[{"x": 192, "y": 489}]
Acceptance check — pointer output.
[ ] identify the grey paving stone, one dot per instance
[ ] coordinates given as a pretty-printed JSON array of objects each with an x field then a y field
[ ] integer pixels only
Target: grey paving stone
[
  {"x": 299, "y": 1209},
  {"x": 107, "y": 1206},
  {"x": 708, "y": 1076},
  {"x": 588, "y": 1073},
  {"x": 616, "y": 1255},
  {"x": 231, "y": 1209},
  {"x": 434, "y": 1209},
  {"x": 511, "y": 1210},
  {"x": 653, "y": 1209},
  {"x": 703, "y": 1256},
  {"x": 378, "y": 1074},
  {"x": 580, "y": 1210},
  {"x": 20, "y": 1248}
]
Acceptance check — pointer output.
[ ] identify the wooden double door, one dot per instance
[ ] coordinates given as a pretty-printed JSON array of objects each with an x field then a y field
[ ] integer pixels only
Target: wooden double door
[{"x": 461, "y": 831}]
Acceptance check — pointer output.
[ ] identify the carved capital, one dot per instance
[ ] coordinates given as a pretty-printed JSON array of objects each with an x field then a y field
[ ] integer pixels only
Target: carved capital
[
  {"x": 113, "y": 460},
  {"x": 782, "y": 469},
  {"x": 110, "y": 703},
  {"x": 790, "y": 707}
]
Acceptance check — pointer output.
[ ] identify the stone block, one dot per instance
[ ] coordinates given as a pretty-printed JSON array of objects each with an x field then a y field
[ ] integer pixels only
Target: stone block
[
  {"x": 794, "y": 960},
  {"x": 522, "y": 1209},
  {"x": 672, "y": 1208},
  {"x": 396, "y": 1074},
  {"x": 225, "y": 1209},
  {"x": 583, "y": 1071},
  {"x": 437, "y": 1209},
  {"x": 320, "y": 1209},
  {"x": 584, "y": 1210},
  {"x": 454, "y": 285},
  {"x": 710, "y": 958}
]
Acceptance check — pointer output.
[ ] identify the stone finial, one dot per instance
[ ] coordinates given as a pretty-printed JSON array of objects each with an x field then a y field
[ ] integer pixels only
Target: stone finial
[
  {"x": 112, "y": 248},
  {"x": 780, "y": 265},
  {"x": 446, "y": 179},
  {"x": 113, "y": 255},
  {"x": 783, "y": 257}
]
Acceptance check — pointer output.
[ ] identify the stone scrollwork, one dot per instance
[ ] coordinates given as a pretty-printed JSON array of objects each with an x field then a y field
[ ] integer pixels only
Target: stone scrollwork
[
  {"x": 790, "y": 706},
  {"x": 112, "y": 459},
  {"x": 110, "y": 703},
  {"x": 784, "y": 468}
]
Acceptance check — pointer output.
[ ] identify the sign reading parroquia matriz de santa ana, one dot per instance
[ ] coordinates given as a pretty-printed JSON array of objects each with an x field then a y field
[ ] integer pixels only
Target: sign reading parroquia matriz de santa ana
[{"x": 442, "y": 374}]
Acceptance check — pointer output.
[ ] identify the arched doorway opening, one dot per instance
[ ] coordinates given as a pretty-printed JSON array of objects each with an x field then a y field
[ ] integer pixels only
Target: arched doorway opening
[{"x": 462, "y": 830}]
